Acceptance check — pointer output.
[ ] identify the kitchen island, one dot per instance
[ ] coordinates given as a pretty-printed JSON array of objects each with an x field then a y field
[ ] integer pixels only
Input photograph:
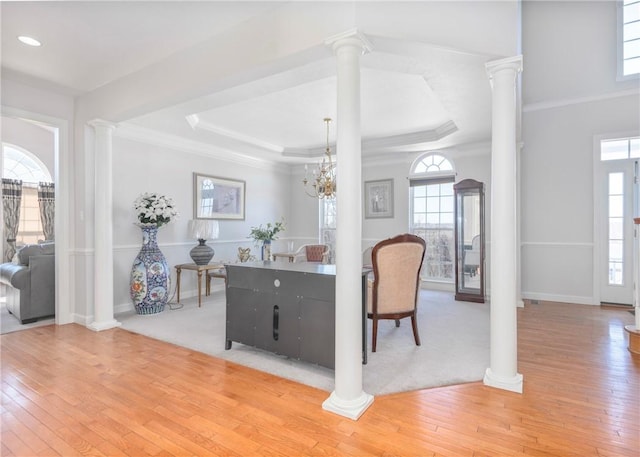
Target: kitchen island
[{"x": 286, "y": 308}]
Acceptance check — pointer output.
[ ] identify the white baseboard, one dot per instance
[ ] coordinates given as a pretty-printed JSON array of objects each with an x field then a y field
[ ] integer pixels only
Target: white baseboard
[{"x": 559, "y": 298}]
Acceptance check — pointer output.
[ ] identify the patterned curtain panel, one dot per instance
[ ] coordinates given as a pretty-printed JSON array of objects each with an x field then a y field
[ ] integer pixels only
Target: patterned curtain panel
[
  {"x": 47, "y": 202},
  {"x": 11, "y": 197}
]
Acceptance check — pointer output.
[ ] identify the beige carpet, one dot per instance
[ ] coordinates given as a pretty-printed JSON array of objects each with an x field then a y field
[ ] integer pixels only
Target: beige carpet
[
  {"x": 9, "y": 323},
  {"x": 455, "y": 344}
]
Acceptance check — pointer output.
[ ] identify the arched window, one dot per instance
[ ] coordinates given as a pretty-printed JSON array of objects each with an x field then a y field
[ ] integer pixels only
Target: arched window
[
  {"x": 432, "y": 214},
  {"x": 18, "y": 163}
]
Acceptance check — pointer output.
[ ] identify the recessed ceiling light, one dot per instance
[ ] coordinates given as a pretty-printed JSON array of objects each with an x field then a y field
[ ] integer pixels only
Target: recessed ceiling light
[{"x": 29, "y": 40}]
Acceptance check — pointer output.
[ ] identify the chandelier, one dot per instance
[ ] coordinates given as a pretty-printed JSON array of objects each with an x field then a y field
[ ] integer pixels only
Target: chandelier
[{"x": 322, "y": 184}]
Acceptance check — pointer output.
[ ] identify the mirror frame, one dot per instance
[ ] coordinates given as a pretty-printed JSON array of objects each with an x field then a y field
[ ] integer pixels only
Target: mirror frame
[{"x": 461, "y": 189}]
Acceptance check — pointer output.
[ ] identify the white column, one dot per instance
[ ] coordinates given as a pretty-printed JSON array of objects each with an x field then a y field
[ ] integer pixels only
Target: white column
[
  {"x": 103, "y": 229},
  {"x": 502, "y": 372},
  {"x": 520, "y": 302},
  {"x": 348, "y": 399}
]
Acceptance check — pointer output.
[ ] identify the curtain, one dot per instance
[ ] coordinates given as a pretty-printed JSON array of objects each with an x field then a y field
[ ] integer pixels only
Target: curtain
[
  {"x": 11, "y": 197},
  {"x": 47, "y": 202}
]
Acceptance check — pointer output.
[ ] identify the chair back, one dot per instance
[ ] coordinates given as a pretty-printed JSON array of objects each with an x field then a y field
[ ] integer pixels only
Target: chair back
[
  {"x": 316, "y": 252},
  {"x": 396, "y": 268},
  {"x": 312, "y": 253}
]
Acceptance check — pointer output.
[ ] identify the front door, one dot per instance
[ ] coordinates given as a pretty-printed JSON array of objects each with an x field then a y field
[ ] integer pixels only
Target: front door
[{"x": 618, "y": 194}]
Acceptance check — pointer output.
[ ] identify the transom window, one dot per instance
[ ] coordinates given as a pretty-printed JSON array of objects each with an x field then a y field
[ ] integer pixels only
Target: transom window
[
  {"x": 432, "y": 214},
  {"x": 621, "y": 148}
]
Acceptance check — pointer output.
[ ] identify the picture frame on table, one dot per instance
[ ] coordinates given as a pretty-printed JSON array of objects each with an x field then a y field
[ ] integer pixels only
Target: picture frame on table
[
  {"x": 218, "y": 198},
  {"x": 378, "y": 199}
]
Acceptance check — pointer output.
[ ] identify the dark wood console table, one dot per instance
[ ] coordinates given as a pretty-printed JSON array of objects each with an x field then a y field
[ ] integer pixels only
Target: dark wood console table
[{"x": 286, "y": 308}]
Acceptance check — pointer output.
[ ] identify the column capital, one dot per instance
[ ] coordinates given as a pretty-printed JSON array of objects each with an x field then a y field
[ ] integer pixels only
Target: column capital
[
  {"x": 510, "y": 63},
  {"x": 101, "y": 123},
  {"x": 351, "y": 37}
]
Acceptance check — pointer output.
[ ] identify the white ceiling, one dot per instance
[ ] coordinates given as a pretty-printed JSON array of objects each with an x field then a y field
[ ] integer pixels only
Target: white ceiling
[{"x": 415, "y": 95}]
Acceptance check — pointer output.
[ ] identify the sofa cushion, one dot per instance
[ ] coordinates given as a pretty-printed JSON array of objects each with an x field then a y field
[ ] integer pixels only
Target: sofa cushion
[{"x": 34, "y": 249}]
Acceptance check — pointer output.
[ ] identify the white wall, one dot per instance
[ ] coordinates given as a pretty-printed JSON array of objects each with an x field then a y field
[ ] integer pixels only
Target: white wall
[
  {"x": 570, "y": 95},
  {"x": 34, "y": 138},
  {"x": 54, "y": 107},
  {"x": 141, "y": 167},
  {"x": 471, "y": 161}
]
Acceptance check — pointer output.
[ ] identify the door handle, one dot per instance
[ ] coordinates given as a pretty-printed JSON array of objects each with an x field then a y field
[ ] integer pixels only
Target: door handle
[{"x": 276, "y": 321}]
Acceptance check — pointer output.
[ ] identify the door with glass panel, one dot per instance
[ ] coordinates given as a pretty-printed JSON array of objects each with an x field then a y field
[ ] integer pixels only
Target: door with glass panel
[{"x": 618, "y": 206}]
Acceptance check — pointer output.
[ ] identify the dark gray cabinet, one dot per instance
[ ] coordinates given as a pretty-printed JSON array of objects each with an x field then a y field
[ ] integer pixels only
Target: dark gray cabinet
[{"x": 288, "y": 309}]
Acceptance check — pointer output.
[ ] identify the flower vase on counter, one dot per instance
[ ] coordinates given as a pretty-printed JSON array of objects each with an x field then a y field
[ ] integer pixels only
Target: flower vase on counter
[{"x": 266, "y": 250}]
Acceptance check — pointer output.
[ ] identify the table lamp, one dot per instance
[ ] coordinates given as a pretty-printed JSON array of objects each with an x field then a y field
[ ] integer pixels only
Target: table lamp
[{"x": 203, "y": 230}]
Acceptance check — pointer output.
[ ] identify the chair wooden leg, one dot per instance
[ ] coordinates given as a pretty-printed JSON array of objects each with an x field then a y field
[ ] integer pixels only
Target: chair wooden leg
[
  {"x": 414, "y": 324},
  {"x": 374, "y": 335},
  {"x": 397, "y": 322}
]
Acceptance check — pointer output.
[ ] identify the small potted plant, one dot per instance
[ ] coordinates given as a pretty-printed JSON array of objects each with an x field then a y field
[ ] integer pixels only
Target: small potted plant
[{"x": 266, "y": 235}]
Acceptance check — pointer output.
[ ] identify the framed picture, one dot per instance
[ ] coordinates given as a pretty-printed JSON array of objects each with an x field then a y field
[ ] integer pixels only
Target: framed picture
[
  {"x": 217, "y": 198},
  {"x": 378, "y": 199}
]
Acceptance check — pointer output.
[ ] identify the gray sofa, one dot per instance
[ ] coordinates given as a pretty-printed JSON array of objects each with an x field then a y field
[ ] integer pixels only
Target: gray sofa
[{"x": 30, "y": 282}]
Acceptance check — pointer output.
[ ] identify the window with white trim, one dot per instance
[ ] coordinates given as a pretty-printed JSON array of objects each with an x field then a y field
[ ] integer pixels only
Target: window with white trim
[
  {"x": 432, "y": 214},
  {"x": 629, "y": 38},
  {"x": 18, "y": 163},
  {"x": 328, "y": 226}
]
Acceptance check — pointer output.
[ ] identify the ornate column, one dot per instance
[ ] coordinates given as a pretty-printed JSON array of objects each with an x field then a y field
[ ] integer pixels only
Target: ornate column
[
  {"x": 504, "y": 259},
  {"x": 348, "y": 399},
  {"x": 103, "y": 229}
]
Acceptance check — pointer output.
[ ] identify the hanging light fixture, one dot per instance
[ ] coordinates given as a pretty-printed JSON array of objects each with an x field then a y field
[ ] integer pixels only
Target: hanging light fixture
[{"x": 322, "y": 184}]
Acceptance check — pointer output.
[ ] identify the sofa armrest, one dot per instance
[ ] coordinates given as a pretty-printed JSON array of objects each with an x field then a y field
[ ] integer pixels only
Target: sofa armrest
[
  {"x": 43, "y": 284},
  {"x": 14, "y": 275}
]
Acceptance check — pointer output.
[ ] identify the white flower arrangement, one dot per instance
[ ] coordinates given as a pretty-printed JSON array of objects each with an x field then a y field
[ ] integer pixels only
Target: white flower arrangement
[{"x": 152, "y": 208}]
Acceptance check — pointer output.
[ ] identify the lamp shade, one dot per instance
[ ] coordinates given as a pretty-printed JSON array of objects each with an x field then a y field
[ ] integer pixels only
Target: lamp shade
[{"x": 204, "y": 229}]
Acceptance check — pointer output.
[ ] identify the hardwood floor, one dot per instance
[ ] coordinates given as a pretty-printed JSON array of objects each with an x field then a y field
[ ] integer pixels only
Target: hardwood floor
[{"x": 70, "y": 391}]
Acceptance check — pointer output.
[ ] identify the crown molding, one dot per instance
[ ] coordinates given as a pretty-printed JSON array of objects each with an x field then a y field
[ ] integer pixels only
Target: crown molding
[
  {"x": 150, "y": 136},
  {"x": 561, "y": 103},
  {"x": 197, "y": 124},
  {"x": 422, "y": 136}
]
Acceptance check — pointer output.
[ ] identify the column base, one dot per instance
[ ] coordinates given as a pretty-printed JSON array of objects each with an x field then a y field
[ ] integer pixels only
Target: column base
[
  {"x": 634, "y": 338},
  {"x": 352, "y": 409},
  {"x": 513, "y": 384},
  {"x": 106, "y": 325}
]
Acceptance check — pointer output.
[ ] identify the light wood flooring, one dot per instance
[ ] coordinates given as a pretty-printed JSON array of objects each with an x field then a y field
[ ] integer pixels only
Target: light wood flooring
[{"x": 69, "y": 391}]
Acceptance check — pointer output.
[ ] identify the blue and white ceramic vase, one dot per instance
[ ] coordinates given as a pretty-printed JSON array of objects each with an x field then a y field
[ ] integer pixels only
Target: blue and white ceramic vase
[
  {"x": 266, "y": 250},
  {"x": 150, "y": 274}
]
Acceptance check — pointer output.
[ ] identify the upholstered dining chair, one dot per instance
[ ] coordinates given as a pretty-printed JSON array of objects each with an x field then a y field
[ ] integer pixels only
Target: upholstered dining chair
[
  {"x": 312, "y": 253},
  {"x": 393, "y": 291}
]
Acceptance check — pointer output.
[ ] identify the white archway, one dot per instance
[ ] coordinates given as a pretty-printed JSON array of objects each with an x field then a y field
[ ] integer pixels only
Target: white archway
[{"x": 62, "y": 178}]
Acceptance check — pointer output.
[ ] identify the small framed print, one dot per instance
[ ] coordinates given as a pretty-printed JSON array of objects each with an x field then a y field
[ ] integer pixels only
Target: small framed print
[
  {"x": 378, "y": 199},
  {"x": 218, "y": 198}
]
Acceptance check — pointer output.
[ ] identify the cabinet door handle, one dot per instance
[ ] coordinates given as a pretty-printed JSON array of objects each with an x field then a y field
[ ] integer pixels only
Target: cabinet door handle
[{"x": 276, "y": 321}]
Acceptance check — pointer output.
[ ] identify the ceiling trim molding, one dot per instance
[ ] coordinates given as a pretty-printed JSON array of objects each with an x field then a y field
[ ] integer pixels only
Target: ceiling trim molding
[
  {"x": 196, "y": 124},
  {"x": 561, "y": 103},
  {"x": 405, "y": 139},
  {"x": 149, "y": 136}
]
